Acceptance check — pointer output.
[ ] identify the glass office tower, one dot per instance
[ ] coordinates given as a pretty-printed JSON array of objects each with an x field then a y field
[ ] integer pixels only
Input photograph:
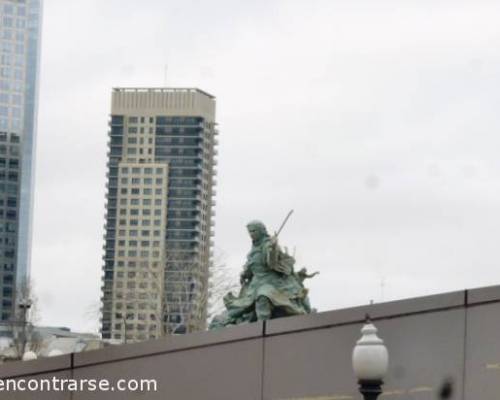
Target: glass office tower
[
  {"x": 160, "y": 196},
  {"x": 20, "y": 25}
]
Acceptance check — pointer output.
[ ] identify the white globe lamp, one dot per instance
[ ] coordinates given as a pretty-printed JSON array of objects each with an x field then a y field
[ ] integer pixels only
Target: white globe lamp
[{"x": 370, "y": 361}]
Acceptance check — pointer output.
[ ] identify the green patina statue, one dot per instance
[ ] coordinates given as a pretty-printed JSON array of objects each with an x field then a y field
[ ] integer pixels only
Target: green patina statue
[{"x": 270, "y": 288}]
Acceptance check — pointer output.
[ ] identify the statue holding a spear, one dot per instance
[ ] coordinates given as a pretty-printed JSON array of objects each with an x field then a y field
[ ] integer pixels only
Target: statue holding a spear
[{"x": 270, "y": 288}]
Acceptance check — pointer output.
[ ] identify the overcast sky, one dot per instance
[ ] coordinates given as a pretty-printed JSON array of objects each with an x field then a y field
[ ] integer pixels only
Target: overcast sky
[{"x": 376, "y": 121}]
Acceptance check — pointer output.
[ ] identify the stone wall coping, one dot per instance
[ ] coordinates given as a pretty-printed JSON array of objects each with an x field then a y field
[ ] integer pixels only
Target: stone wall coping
[
  {"x": 483, "y": 295},
  {"x": 40, "y": 366},
  {"x": 169, "y": 344},
  {"x": 353, "y": 315}
]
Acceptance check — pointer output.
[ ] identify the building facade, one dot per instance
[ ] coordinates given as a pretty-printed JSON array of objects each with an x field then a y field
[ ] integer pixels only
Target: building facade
[
  {"x": 160, "y": 197},
  {"x": 20, "y": 26}
]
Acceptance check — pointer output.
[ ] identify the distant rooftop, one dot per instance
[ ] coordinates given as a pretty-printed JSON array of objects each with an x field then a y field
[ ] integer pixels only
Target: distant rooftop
[{"x": 161, "y": 90}]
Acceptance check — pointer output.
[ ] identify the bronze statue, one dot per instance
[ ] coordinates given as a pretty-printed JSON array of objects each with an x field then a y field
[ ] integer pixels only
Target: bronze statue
[{"x": 270, "y": 288}]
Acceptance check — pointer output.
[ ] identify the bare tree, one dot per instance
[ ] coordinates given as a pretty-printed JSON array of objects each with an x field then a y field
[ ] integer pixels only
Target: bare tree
[
  {"x": 144, "y": 306},
  {"x": 193, "y": 292},
  {"x": 93, "y": 314},
  {"x": 222, "y": 280},
  {"x": 186, "y": 284},
  {"x": 24, "y": 317},
  {"x": 188, "y": 292},
  {"x": 175, "y": 297}
]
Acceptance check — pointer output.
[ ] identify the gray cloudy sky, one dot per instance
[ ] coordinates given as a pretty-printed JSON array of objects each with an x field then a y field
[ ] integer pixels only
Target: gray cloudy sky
[{"x": 376, "y": 121}]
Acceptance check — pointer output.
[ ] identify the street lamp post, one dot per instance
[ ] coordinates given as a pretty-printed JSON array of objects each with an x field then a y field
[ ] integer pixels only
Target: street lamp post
[
  {"x": 370, "y": 361},
  {"x": 24, "y": 304}
]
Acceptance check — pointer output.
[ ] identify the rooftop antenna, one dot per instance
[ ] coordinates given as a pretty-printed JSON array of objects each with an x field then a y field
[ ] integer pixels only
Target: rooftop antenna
[
  {"x": 382, "y": 288},
  {"x": 165, "y": 73}
]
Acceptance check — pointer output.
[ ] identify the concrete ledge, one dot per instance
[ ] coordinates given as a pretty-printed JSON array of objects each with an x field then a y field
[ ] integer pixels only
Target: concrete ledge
[
  {"x": 429, "y": 338},
  {"x": 40, "y": 366},
  {"x": 483, "y": 295},
  {"x": 357, "y": 314},
  {"x": 169, "y": 344},
  {"x": 348, "y": 316}
]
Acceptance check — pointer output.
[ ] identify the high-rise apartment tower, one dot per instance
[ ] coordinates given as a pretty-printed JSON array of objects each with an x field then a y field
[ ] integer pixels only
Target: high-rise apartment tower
[
  {"x": 160, "y": 197},
  {"x": 20, "y": 22}
]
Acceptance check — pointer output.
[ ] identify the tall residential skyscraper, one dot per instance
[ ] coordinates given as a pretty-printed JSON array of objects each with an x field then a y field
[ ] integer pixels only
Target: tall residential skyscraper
[
  {"x": 160, "y": 192},
  {"x": 20, "y": 25}
]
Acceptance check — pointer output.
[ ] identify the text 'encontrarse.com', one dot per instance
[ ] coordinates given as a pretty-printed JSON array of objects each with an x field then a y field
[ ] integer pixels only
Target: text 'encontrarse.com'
[{"x": 77, "y": 385}]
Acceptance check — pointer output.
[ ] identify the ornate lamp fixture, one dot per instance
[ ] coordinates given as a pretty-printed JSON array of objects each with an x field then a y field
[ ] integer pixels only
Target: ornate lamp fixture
[{"x": 370, "y": 361}]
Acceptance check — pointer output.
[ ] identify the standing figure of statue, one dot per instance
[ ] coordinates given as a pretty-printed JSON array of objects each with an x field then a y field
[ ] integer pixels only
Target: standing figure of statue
[{"x": 269, "y": 286}]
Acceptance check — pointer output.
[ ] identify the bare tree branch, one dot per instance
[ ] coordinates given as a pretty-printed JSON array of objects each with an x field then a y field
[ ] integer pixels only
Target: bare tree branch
[{"x": 24, "y": 317}]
